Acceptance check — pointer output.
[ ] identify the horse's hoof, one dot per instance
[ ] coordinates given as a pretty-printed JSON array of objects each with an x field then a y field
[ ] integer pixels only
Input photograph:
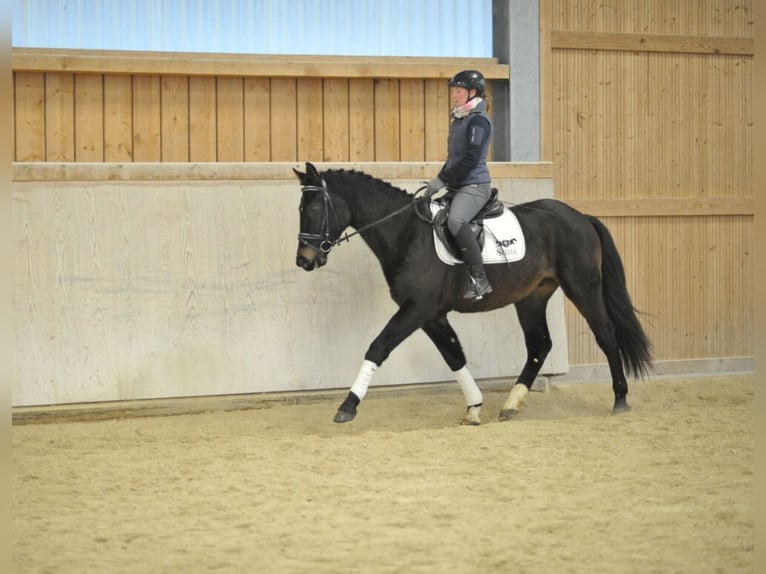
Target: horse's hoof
[
  {"x": 343, "y": 417},
  {"x": 621, "y": 406},
  {"x": 471, "y": 416},
  {"x": 507, "y": 415}
]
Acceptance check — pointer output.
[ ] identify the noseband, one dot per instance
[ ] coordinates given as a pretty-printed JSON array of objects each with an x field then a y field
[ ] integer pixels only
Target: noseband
[{"x": 325, "y": 244}]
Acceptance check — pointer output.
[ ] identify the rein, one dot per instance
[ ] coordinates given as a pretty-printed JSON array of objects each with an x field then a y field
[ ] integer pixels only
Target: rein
[{"x": 325, "y": 243}]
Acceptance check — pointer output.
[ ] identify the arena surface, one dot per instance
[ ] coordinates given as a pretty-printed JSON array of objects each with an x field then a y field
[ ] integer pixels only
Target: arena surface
[{"x": 566, "y": 487}]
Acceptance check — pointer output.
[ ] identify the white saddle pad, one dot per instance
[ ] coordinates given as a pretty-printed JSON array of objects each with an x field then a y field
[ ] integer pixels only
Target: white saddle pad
[{"x": 503, "y": 240}]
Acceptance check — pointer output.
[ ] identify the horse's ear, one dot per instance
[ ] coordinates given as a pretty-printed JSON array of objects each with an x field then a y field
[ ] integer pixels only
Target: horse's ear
[
  {"x": 312, "y": 173},
  {"x": 301, "y": 176}
]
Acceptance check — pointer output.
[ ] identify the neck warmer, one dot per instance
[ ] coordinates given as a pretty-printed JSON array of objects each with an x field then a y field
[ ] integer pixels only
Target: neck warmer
[{"x": 466, "y": 108}]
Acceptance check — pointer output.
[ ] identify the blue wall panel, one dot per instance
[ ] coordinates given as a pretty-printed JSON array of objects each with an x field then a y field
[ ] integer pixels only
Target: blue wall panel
[{"x": 444, "y": 28}]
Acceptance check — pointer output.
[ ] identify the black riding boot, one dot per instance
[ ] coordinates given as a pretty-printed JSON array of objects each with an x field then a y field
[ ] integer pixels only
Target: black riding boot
[
  {"x": 471, "y": 252},
  {"x": 479, "y": 284}
]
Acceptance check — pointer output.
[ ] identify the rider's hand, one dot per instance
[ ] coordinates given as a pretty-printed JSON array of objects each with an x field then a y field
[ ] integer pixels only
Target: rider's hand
[{"x": 432, "y": 187}]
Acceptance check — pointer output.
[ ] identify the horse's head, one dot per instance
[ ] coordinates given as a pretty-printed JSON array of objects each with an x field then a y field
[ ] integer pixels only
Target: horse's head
[{"x": 323, "y": 217}]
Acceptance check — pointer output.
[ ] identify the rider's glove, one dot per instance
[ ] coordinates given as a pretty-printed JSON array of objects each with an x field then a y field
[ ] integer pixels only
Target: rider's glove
[{"x": 432, "y": 187}]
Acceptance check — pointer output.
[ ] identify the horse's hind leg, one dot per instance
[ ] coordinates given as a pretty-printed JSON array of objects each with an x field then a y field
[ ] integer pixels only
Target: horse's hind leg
[
  {"x": 444, "y": 337},
  {"x": 590, "y": 303},
  {"x": 537, "y": 338}
]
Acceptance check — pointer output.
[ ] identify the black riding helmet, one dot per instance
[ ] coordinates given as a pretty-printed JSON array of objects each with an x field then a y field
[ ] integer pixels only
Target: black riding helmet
[{"x": 470, "y": 80}]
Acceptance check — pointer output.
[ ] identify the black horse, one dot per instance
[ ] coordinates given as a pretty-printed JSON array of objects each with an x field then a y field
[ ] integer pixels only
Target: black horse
[{"x": 564, "y": 248}]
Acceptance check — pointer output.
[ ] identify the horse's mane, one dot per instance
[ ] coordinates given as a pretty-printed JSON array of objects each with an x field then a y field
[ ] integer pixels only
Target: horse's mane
[{"x": 379, "y": 183}]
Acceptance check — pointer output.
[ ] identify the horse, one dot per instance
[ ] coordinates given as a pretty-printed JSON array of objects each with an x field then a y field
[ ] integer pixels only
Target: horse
[{"x": 564, "y": 248}]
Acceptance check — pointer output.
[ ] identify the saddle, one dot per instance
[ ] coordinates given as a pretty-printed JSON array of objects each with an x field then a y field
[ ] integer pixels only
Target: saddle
[{"x": 493, "y": 208}]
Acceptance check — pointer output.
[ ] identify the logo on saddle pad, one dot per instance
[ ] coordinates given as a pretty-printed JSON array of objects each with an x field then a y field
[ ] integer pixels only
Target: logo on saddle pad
[{"x": 500, "y": 236}]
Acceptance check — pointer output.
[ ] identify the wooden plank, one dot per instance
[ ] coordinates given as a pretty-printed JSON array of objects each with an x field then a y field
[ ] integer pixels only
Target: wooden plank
[
  {"x": 310, "y": 119},
  {"x": 387, "y": 127},
  {"x": 230, "y": 119},
  {"x": 151, "y": 171},
  {"x": 435, "y": 142},
  {"x": 203, "y": 145},
  {"x": 412, "y": 120},
  {"x": 59, "y": 117},
  {"x": 29, "y": 114},
  {"x": 284, "y": 128},
  {"x": 118, "y": 118},
  {"x": 335, "y": 98},
  {"x": 204, "y": 64},
  {"x": 361, "y": 114},
  {"x": 580, "y": 40},
  {"x": 174, "y": 118},
  {"x": 147, "y": 119},
  {"x": 257, "y": 119},
  {"x": 663, "y": 207},
  {"x": 89, "y": 117}
]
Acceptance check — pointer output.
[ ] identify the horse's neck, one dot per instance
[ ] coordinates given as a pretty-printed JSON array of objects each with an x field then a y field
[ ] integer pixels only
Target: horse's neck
[{"x": 368, "y": 207}]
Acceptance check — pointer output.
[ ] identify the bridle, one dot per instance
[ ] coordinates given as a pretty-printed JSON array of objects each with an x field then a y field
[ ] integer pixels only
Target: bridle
[{"x": 325, "y": 244}]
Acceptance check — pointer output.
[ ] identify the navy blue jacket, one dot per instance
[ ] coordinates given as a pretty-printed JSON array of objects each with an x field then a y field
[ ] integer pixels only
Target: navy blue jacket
[{"x": 467, "y": 147}]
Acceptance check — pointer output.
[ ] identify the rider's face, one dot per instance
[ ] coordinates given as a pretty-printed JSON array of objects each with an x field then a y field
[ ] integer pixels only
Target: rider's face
[{"x": 459, "y": 96}]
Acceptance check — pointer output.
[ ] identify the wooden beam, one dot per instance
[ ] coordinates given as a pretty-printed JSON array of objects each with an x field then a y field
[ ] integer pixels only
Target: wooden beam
[
  {"x": 154, "y": 171},
  {"x": 663, "y": 207},
  {"x": 248, "y": 65},
  {"x": 576, "y": 40}
]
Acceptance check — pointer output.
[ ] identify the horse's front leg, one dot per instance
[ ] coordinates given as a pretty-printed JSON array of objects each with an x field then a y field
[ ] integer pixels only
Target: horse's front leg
[
  {"x": 405, "y": 321},
  {"x": 444, "y": 337}
]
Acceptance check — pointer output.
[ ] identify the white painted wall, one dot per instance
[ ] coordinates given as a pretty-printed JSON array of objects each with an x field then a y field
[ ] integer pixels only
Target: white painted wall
[{"x": 132, "y": 290}]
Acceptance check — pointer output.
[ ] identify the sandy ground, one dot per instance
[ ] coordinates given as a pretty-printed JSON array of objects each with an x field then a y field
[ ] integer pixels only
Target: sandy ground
[{"x": 566, "y": 487}]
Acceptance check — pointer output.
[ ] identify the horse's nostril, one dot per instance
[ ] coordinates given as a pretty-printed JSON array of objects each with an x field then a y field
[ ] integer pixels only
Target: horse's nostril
[{"x": 305, "y": 263}]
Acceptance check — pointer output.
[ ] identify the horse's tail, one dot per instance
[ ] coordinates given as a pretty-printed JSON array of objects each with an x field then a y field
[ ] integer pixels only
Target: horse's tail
[{"x": 634, "y": 345}]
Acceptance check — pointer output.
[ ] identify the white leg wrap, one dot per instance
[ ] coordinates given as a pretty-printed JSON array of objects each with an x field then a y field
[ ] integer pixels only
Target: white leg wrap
[
  {"x": 359, "y": 388},
  {"x": 470, "y": 390}
]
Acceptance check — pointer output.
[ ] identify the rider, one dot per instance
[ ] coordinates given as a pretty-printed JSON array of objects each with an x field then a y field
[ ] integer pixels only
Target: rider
[{"x": 465, "y": 172}]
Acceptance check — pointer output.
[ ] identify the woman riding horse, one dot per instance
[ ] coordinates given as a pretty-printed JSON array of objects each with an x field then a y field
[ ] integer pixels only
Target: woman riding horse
[{"x": 465, "y": 172}]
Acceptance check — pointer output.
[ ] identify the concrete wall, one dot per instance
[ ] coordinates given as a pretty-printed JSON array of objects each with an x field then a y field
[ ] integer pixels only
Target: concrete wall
[{"x": 132, "y": 290}]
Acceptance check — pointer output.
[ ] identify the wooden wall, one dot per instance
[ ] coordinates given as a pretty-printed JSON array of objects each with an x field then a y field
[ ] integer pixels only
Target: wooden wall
[
  {"x": 651, "y": 128},
  {"x": 73, "y": 106}
]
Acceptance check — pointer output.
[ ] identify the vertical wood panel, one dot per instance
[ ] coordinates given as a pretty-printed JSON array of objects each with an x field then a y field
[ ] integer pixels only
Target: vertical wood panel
[
  {"x": 435, "y": 145},
  {"x": 29, "y": 114},
  {"x": 361, "y": 114},
  {"x": 387, "y": 115},
  {"x": 692, "y": 277},
  {"x": 310, "y": 119},
  {"x": 89, "y": 117},
  {"x": 59, "y": 117},
  {"x": 284, "y": 129},
  {"x": 202, "y": 119},
  {"x": 175, "y": 118},
  {"x": 335, "y": 97},
  {"x": 412, "y": 114},
  {"x": 257, "y": 119},
  {"x": 703, "y": 18},
  {"x": 147, "y": 119},
  {"x": 118, "y": 118},
  {"x": 231, "y": 114},
  {"x": 651, "y": 125},
  {"x": 662, "y": 125}
]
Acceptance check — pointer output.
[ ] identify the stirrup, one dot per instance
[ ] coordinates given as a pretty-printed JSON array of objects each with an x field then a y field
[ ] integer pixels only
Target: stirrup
[{"x": 473, "y": 290}]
